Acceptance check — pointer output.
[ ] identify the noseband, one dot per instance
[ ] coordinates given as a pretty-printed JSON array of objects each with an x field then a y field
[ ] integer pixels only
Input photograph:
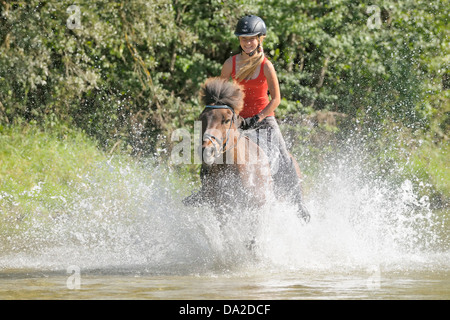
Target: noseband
[{"x": 212, "y": 138}]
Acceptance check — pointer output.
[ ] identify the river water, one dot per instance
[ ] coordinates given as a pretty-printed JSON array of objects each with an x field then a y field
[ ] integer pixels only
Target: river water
[
  {"x": 126, "y": 235},
  {"x": 246, "y": 285}
]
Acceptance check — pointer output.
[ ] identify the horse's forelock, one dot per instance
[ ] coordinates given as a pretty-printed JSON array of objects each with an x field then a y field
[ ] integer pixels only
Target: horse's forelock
[{"x": 217, "y": 91}]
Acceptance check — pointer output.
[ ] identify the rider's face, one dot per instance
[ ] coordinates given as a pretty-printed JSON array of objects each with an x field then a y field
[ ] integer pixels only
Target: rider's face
[{"x": 248, "y": 44}]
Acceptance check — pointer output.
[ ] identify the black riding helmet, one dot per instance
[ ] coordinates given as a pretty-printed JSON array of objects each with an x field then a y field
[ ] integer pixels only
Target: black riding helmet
[{"x": 250, "y": 25}]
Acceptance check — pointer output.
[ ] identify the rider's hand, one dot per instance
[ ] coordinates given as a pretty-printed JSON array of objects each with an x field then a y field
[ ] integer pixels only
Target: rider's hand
[{"x": 250, "y": 123}]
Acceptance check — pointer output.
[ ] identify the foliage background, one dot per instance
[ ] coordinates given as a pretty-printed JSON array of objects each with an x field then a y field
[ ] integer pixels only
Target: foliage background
[{"x": 130, "y": 74}]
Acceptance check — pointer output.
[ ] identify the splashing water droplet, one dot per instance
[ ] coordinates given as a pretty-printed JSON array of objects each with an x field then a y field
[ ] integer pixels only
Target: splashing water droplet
[{"x": 123, "y": 218}]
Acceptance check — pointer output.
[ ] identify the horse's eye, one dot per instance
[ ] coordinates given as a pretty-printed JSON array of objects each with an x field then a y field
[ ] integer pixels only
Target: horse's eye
[{"x": 227, "y": 121}]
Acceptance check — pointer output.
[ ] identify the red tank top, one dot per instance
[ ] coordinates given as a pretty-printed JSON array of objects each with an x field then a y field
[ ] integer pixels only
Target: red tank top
[{"x": 256, "y": 92}]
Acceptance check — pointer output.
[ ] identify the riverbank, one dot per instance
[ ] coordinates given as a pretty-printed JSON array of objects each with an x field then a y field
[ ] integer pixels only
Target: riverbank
[{"x": 53, "y": 160}]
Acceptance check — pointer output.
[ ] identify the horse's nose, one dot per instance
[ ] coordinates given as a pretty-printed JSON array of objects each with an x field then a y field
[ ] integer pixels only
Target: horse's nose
[
  {"x": 209, "y": 149},
  {"x": 208, "y": 152},
  {"x": 207, "y": 143},
  {"x": 211, "y": 138},
  {"x": 209, "y": 155}
]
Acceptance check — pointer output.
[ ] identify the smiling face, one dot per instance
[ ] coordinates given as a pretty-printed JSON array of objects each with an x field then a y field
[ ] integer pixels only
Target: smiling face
[{"x": 248, "y": 43}]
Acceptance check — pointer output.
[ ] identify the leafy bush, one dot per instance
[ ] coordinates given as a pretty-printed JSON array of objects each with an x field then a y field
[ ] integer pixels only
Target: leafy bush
[{"x": 127, "y": 73}]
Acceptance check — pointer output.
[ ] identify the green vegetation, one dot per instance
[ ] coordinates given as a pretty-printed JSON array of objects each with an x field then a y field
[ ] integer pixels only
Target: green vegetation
[
  {"x": 40, "y": 167},
  {"x": 47, "y": 171},
  {"x": 78, "y": 83}
]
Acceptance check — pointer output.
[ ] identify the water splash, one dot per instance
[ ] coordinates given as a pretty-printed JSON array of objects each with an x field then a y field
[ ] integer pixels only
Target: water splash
[
  {"x": 125, "y": 219},
  {"x": 358, "y": 224}
]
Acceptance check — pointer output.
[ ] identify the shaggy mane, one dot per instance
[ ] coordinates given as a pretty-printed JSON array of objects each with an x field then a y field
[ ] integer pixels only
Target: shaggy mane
[{"x": 219, "y": 91}]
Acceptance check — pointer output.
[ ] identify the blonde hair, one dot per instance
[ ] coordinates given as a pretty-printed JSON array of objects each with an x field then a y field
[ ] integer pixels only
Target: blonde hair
[{"x": 247, "y": 70}]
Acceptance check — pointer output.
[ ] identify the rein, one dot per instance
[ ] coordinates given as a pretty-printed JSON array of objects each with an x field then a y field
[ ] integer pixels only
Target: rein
[{"x": 211, "y": 138}]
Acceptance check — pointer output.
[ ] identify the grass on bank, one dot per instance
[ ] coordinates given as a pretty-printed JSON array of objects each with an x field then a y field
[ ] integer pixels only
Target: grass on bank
[
  {"x": 431, "y": 164},
  {"x": 38, "y": 172},
  {"x": 44, "y": 170}
]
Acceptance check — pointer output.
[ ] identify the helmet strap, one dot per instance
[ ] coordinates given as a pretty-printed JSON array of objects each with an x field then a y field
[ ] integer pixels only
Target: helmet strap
[
  {"x": 257, "y": 49},
  {"x": 251, "y": 54}
]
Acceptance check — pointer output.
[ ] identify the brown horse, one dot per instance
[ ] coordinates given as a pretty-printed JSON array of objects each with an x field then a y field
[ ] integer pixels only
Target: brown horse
[{"x": 235, "y": 171}]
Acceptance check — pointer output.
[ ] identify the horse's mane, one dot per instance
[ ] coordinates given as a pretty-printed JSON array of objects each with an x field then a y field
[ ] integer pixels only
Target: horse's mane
[{"x": 219, "y": 91}]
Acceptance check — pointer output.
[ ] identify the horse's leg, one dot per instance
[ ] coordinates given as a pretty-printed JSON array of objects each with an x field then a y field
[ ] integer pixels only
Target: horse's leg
[{"x": 204, "y": 195}]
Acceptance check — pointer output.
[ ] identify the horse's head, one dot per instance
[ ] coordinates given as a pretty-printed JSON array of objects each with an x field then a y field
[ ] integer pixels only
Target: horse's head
[
  {"x": 218, "y": 129},
  {"x": 220, "y": 120}
]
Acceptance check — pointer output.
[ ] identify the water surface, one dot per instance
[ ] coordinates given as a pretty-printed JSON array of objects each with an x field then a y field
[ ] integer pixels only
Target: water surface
[{"x": 130, "y": 237}]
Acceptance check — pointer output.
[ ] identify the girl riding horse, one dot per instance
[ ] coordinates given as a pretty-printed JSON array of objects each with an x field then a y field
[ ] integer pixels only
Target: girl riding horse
[{"x": 257, "y": 75}]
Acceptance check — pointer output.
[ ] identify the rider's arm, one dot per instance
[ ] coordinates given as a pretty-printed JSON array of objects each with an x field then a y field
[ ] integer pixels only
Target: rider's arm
[
  {"x": 227, "y": 68},
  {"x": 274, "y": 90}
]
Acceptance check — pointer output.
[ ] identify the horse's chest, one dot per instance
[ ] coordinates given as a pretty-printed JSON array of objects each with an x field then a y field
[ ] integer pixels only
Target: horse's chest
[{"x": 229, "y": 185}]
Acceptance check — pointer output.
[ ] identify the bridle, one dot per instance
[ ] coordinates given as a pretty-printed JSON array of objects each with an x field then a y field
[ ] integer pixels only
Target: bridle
[{"x": 213, "y": 138}]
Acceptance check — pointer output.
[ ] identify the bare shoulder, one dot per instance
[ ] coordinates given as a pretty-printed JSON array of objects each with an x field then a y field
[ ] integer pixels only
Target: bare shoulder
[
  {"x": 268, "y": 66},
  {"x": 227, "y": 68},
  {"x": 269, "y": 69},
  {"x": 229, "y": 60}
]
